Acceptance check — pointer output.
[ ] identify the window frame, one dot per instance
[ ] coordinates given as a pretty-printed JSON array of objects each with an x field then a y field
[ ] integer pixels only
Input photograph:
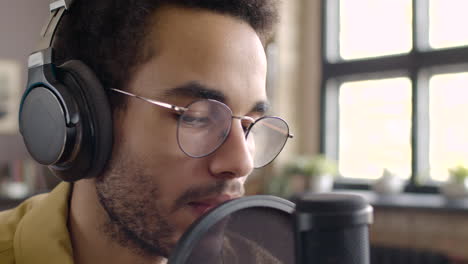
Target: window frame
[{"x": 418, "y": 65}]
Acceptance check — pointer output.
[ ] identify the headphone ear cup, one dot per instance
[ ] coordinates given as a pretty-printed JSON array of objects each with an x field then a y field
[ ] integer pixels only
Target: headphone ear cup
[{"x": 95, "y": 125}]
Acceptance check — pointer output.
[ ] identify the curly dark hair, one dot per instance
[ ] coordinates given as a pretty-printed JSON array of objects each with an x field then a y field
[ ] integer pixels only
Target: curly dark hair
[{"x": 109, "y": 35}]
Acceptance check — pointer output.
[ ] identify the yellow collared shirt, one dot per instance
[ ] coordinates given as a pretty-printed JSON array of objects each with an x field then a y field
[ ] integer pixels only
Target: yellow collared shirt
[{"x": 36, "y": 231}]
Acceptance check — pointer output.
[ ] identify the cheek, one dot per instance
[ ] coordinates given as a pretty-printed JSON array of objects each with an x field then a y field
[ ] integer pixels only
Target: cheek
[
  {"x": 151, "y": 140},
  {"x": 150, "y": 135},
  {"x": 150, "y": 132}
]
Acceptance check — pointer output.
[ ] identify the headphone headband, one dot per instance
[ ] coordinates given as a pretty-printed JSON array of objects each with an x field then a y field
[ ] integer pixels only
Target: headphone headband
[{"x": 43, "y": 55}]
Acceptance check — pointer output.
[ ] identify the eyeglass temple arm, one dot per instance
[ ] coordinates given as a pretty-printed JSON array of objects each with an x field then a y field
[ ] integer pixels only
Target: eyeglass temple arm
[
  {"x": 151, "y": 101},
  {"x": 183, "y": 109}
]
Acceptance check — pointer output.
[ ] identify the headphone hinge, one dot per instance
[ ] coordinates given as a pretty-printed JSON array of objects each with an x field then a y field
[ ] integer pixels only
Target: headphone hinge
[
  {"x": 40, "y": 58},
  {"x": 59, "y": 4}
]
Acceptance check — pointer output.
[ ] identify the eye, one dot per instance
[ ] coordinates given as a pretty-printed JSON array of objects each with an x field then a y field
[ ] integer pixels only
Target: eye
[{"x": 195, "y": 120}]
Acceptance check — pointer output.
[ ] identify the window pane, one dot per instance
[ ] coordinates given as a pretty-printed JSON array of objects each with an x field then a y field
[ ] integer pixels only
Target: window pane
[
  {"x": 447, "y": 22},
  {"x": 375, "y": 128},
  {"x": 370, "y": 28},
  {"x": 448, "y": 110}
]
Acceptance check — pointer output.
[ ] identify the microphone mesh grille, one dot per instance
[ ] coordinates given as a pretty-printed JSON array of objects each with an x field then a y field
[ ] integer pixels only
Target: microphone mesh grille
[{"x": 248, "y": 236}]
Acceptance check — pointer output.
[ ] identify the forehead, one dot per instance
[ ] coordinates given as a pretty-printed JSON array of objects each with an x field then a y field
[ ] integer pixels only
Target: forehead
[{"x": 214, "y": 50}]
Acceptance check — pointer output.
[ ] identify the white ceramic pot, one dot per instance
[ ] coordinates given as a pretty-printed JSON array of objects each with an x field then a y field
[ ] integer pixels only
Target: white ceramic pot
[
  {"x": 388, "y": 183},
  {"x": 321, "y": 183},
  {"x": 455, "y": 190}
]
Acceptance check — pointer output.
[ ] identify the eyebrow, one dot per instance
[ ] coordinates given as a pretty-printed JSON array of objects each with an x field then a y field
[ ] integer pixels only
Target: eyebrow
[
  {"x": 197, "y": 90},
  {"x": 261, "y": 107}
]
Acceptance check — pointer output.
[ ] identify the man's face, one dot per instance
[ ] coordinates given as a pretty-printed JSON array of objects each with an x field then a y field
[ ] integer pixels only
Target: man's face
[{"x": 152, "y": 191}]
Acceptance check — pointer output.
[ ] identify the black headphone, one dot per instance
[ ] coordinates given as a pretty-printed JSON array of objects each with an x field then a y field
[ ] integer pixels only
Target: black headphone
[{"x": 64, "y": 116}]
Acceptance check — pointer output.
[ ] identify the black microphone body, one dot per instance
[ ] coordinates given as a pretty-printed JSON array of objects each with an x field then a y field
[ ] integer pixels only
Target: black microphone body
[{"x": 332, "y": 229}]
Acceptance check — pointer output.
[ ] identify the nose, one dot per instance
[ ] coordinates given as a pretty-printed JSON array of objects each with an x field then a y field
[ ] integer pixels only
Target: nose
[{"x": 233, "y": 159}]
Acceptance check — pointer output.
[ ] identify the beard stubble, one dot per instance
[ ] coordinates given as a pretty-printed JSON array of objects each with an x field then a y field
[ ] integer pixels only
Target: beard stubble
[{"x": 136, "y": 220}]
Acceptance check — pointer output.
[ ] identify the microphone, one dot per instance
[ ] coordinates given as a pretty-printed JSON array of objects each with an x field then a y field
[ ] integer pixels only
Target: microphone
[
  {"x": 319, "y": 229},
  {"x": 249, "y": 230},
  {"x": 332, "y": 228}
]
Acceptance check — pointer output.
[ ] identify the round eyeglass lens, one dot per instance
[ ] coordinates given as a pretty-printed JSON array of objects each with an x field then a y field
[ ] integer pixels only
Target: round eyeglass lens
[
  {"x": 203, "y": 127},
  {"x": 270, "y": 135}
]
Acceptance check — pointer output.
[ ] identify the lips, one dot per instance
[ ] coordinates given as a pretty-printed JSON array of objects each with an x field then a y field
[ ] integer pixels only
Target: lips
[{"x": 201, "y": 207}]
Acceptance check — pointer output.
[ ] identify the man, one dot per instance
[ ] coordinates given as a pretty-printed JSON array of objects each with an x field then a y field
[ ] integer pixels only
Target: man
[{"x": 175, "y": 154}]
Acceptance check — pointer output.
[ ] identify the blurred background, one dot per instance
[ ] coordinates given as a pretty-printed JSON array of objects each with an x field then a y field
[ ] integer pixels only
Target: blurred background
[{"x": 376, "y": 95}]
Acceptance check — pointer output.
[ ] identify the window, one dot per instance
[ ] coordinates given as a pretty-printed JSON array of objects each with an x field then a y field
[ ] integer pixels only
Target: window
[
  {"x": 383, "y": 108},
  {"x": 448, "y": 129},
  {"x": 385, "y": 35},
  {"x": 395, "y": 88}
]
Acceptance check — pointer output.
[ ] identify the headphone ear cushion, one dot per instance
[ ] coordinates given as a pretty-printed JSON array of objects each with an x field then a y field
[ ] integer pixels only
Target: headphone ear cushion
[{"x": 95, "y": 119}]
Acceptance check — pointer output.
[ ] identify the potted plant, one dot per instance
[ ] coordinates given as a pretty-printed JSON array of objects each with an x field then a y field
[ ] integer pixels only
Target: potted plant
[
  {"x": 317, "y": 172},
  {"x": 290, "y": 181},
  {"x": 303, "y": 174},
  {"x": 389, "y": 183},
  {"x": 457, "y": 184}
]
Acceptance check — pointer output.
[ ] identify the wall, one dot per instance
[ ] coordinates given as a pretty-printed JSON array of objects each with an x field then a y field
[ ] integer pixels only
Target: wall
[
  {"x": 298, "y": 95},
  {"x": 297, "y": 79}
]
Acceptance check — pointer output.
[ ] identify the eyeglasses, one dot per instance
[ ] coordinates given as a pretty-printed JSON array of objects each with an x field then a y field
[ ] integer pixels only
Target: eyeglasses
[{"x": 204, "y": 125}]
